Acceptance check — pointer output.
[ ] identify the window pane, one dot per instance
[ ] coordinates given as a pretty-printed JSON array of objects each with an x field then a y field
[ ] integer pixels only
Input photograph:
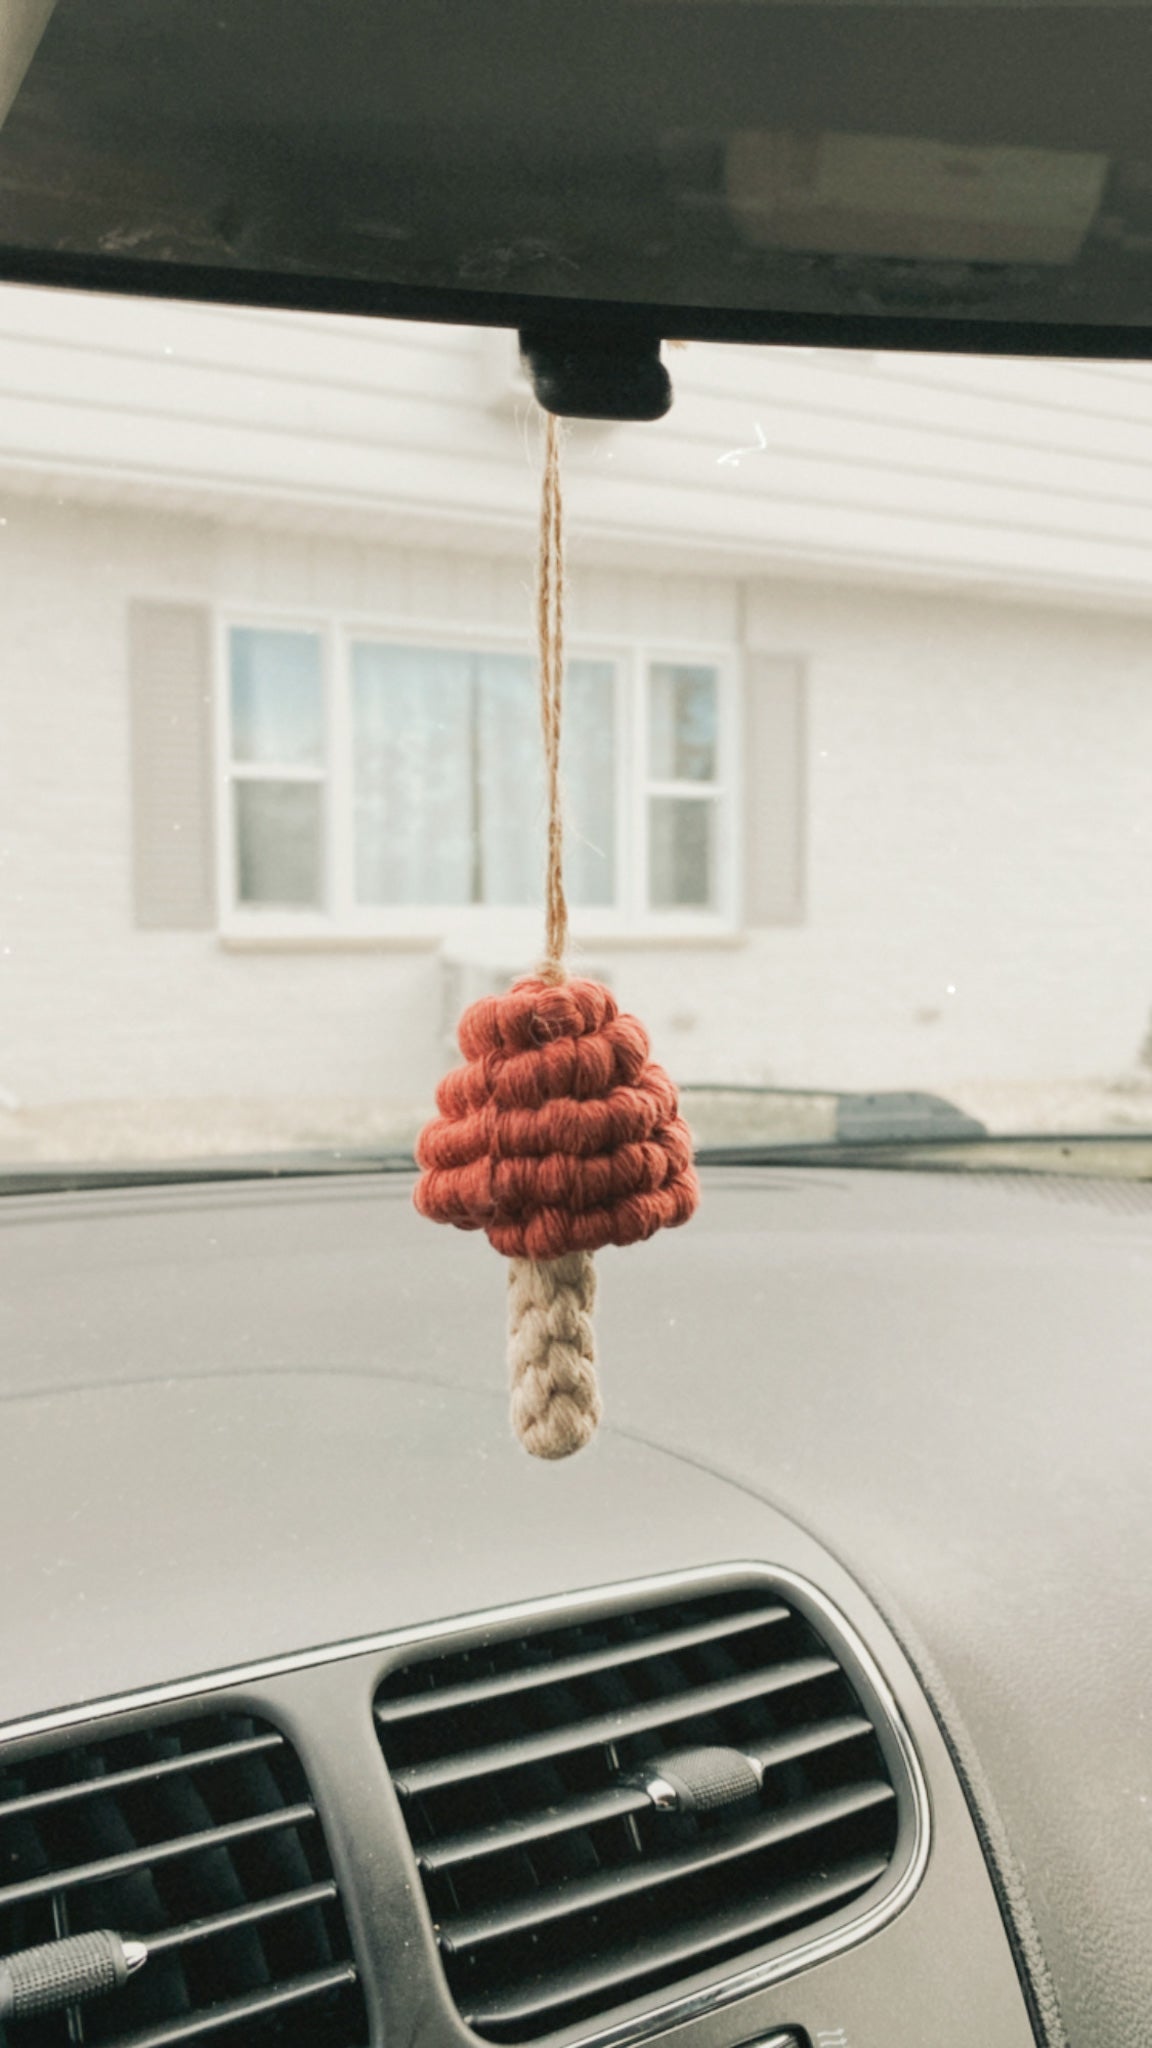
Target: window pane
[
  {"x": 277, "y": 697},
  {"x": 681, "y": 724},
  {"x": 278, "y": 843},
  {"x": 682, "y": 853},
  {"x": 449, "y": 782},
  {"x": 509, "y": 793},
  {"x": 589, "y": 767},
  {"x": 413, "y": 774}
]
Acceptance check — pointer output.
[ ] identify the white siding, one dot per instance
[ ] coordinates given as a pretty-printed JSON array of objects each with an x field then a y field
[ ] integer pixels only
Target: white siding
[
  {"x": 1010, "y": 477},
  {"x": 979, "y": 751},
  {"x": 267, "y": 566},
  {"x": 979, "y": 851},
  {"x": 952, "y": 844}
]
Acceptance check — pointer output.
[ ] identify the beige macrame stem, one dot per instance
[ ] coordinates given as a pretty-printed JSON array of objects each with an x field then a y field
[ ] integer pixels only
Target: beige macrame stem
[
  {"x": 552, "y": 1353},
  {"x": 550, "y": 630}
]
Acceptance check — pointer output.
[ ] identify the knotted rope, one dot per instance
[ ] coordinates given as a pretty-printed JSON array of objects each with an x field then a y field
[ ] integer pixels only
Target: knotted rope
[{"x": 552, "y": 1353}]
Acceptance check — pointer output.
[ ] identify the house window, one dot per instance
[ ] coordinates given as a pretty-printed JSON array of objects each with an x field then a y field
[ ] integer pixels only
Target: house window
[
  {"x": 684, "y": 790},
  {"x": 448, "y": 783},
  {"x": 388, "y": 783},
  {"x": 277, "y": 752}
]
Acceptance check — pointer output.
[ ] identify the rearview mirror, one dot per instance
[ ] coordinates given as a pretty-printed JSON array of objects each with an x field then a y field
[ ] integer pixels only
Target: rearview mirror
[{"x": 600, "y": 174}]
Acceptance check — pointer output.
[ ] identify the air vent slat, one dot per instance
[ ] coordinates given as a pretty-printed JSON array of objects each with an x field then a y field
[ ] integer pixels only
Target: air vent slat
[
  {"x": 686, "y": 1949},
  {"x": 692, "y": 1704},
  {"x": 235, "y": 2012},
  {"x": 241, "y": 1916},
  {"x": 534, "y": 1827},
  {"x": 144, "y": 1774},
  {"x": 71, "y": 1877},
  {"x": 474, "y": 1691},
  {"x": 451, "y": 1850},
  {"x": 809, "y": 1742},
  {"x": 200, "y": 1839},
  {"x": 608, "y": 1888},
  {"x": 562, "y": 1870}
]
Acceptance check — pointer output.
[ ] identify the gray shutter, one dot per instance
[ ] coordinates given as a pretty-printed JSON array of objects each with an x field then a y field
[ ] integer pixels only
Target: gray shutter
[
  {"x": 170, "y": 680},
  {"x": 24, "y": 23},
  {"x": 775, "y": 789}
]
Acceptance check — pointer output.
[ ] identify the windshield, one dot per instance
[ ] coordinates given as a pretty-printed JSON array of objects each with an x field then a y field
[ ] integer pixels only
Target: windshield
[{"x": 857, "y": 752}]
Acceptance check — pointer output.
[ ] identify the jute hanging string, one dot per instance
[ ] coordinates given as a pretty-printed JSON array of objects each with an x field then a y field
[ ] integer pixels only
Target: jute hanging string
[
  {"x": 559, "y": 1135},
  {"x": 550, "y": 633}
]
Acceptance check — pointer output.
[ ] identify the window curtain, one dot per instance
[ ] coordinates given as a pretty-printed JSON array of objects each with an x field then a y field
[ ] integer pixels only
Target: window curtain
[{"x": 448, "y": 779}]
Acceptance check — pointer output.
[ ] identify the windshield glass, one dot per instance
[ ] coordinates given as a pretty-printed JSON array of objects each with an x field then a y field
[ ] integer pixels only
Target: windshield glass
[{"x": 857, "y": 754}]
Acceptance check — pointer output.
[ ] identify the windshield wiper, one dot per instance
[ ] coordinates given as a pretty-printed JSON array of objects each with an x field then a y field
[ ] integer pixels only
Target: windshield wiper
[{"x": 824, "y": 1115}]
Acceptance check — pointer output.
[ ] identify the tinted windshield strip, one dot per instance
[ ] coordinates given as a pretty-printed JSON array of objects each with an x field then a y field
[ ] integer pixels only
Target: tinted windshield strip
[{"x": 62, "y": 1180}]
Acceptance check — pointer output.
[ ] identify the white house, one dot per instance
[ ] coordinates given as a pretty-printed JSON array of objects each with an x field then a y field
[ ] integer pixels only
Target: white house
[{"x": 859, "y": 741}]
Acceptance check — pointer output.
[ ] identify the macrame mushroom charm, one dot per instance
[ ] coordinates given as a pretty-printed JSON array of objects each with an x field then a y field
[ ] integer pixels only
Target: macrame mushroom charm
[{"x": 559, "y": 1135}]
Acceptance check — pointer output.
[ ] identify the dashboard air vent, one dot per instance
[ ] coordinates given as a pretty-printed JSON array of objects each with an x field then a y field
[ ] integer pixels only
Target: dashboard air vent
[
  {"x": 564, "y": 1873},
  {"x": 200, "y": 1839}
]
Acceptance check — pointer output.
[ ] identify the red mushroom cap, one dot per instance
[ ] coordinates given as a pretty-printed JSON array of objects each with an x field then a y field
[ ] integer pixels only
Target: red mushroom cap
[{"x": 559, "y": 1134}]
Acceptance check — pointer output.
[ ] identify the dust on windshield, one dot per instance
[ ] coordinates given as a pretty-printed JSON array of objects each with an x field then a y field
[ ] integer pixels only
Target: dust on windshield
[{"x": 857, "y": 754}]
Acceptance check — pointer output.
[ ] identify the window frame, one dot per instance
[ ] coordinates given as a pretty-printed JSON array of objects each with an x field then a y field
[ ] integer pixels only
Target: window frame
[{"x": 476, "y": 928}]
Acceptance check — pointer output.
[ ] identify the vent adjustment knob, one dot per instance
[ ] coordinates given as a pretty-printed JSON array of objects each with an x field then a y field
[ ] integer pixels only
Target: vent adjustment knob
[
  {"x": 68, "y": 1972},
  {"x": 703, "y": 1780}
]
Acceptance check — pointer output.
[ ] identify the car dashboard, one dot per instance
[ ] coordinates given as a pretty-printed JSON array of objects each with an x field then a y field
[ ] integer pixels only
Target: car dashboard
[{"x": 864, "y": 1509}]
